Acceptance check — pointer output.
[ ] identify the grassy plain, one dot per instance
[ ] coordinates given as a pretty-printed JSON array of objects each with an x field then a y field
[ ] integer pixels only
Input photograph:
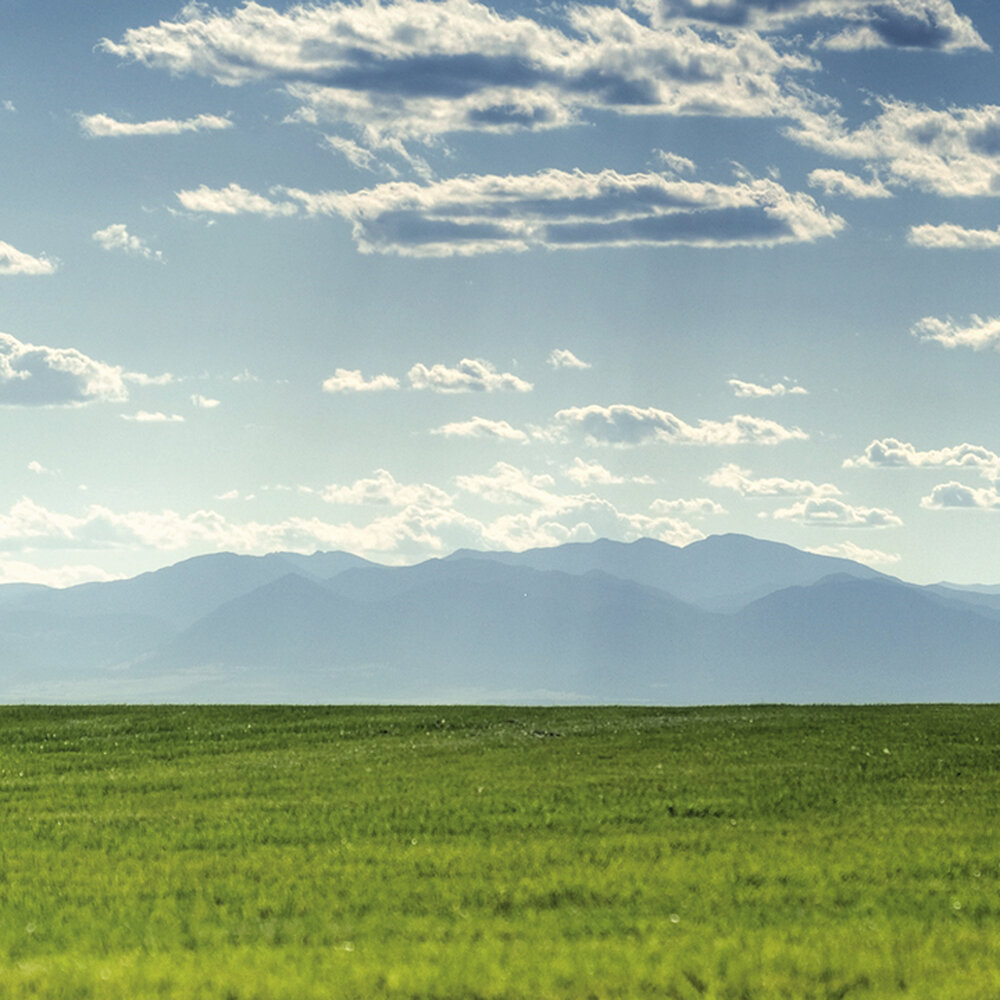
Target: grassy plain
[{"x": 251, "y": 853}]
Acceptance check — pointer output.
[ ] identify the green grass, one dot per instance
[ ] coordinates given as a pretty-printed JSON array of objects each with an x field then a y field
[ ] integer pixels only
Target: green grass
[{"x": 247, "y": 853}]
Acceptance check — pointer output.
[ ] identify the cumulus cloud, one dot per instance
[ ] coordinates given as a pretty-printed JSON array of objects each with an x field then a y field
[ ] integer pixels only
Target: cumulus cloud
[
  {"x": 948, "y": 236},
  {"x": 35, "y": 375},
  {"x": 563, "y": 358},
  {"x": 750, "y": 390},
  {"x": 893, "y": 453},
  {"x": 624, "y": 426},
  {"x": 696, "y": 507},
  {"x": 101, "y": 125},
  {"x": 953, "y": 152},
  {"x": 413, "y": 70},
  {"x": 561, "y": 210},
  {"x": 481, "y": 427},
  {"x": 837, "y": 182},
  {"x": 959, "y": 496},
  {"x": 732, "y": 477},
  {"x": 469, "y": 375},
  {"x": 979, "y": 334},
  {"x": 585, "y": 473},
  {"x": 117, "y": 237},
  {"x": 851, "y": 550},
  {"x": 553, "y": 518},
  {"x": 351, "y": 380},
  {"x": 16, "y": 571},
  {"x": 14, "y": 261},
  {"x": 204, "y": 402},
  {"x": 383, "y": 489},
  {"x": 233, "y": 200},
  {"x": 841, "y": 24},
  {"x": 834, "y": 513}
]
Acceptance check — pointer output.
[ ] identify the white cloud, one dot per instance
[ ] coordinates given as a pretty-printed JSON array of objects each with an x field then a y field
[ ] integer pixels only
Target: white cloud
[
  {"x": 856, "y": 24},
  {"x": 481, "y": 427},
  {"x": 948, "y": 236},
  {"x": 140, "y": 378},
  {"x": 101, "y": 125},
  {"x": 560, "y": 210},
  {"x": 850, "y": 550},
  {"x": 836, "y": 182},
  {"x": 146, "y": 417},
  {"x": 9, "y": 106},
  {"x": 554, "y": 518},
  {"x": 351, "y": 380},
  {"x": 675, "y": 163},
  {"x": 732, "y": 477},
  {"x": 584, "y": 473},
  {"x": 412, "y": 70},
  {"x": 560, "y": 357},
  {"x": 469, "y": 375},
  {"x": 233, "y": 200},
  {"x": 893, "y": 453},
  {"x": 34, "y": 375},
  {"x": 14, "y": 571},
  {"x": 834, "y": 513},
  {"x": 624, "y": 425},
  {"x": 355, "y": 154},
  {"x": 39, "y": 469},
  {"x": 204, "y": 402},
  {"x": 117, "y": 237},
  {"x": 953, "y": 152},
  {"x": 697, "y": 507},
  {"x": 382, "y": 489},
  {"x": 750, "y": 390},
  {"x": 14, "y": 261},
  {"x": 979, "y": 334},
  {"x": 959, "y": 496}
]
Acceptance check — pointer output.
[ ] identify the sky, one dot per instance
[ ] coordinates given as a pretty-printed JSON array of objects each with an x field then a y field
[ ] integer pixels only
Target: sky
[{"x": 401, "y": 278}]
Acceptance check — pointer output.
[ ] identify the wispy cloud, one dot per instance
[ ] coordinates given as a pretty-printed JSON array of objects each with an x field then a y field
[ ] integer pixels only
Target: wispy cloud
[
  {"x": 837, "y": 182},
  {"x": 383, "y": 489},
  {"x": 351, "y": 380},
  {"x": 851, "y": 550},
  {"x": 154, "y": 417},
  {"x": 233, "y": 200},
  {"x": 750, "y": 390},
  {"x": 560, "y": 357},
  {"x": 104, "y": 126},
  {"x": 481, "y": 427},
  {"x": 14, "y": 261},
  {"x": 732, "y": 477},
  {"x": 623, "y": 425},
  {"x": 948, "y": 236},
  {"x": 585, "y": 473},
  {"x": 979, "y": 334},
  {"x": 117, "y": 237}
]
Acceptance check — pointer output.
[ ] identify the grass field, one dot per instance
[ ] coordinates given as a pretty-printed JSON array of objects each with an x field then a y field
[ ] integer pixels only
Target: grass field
[{"x": 236, "y": 853}]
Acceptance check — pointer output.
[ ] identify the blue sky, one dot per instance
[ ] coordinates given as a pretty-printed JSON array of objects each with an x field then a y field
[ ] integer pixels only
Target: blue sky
[{"x": 402, "y": 278}]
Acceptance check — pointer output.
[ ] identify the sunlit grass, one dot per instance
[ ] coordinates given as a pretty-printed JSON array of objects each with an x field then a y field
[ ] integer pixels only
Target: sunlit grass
[{"x": 433, "y": 853}]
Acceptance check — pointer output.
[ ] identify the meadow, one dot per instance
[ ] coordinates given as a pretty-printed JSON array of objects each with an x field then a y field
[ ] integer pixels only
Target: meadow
[{"x": 456, "y": 853}]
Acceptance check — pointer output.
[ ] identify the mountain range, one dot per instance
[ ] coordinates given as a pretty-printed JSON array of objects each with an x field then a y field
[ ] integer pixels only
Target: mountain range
[{"x": 729, "y": 619}]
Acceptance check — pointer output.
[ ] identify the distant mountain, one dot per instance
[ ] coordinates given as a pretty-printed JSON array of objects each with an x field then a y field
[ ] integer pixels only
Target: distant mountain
[
  {"x": 727, "y": 620},
  {"x": 721, "y": 573},
  {"x": 183, "y": 593}
]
